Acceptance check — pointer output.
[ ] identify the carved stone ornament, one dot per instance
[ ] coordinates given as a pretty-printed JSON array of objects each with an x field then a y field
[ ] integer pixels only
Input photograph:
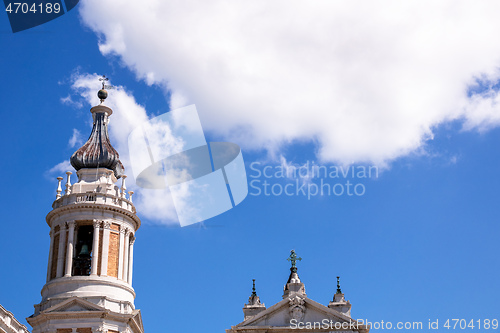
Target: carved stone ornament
[
  {"x": 96, "y": 223},
  {"x": 106, "y": 224},
  {"x": 98, "y": 329},
  {"x": 124, "y": 230},
  {"x": 296, "y": 308}
]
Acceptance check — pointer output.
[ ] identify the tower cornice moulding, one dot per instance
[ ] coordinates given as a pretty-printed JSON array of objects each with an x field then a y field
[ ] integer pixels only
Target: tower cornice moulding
[{"x": 90, "y": 209}]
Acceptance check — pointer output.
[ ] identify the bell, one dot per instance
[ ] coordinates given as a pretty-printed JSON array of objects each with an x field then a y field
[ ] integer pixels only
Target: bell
[{"x": 84, "y": 250}]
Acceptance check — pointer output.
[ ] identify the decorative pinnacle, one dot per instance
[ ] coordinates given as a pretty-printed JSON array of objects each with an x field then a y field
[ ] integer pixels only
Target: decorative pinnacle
[
  {"x": 338, "y": 285},
  {"x": 254, "y": 293},
  {"x": 293, "y": 259}
]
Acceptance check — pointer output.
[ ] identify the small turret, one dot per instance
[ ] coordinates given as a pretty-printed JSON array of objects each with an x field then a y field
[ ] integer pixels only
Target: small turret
[
  {"x": 339, "y": 303},
  {"x": 254, "y": 305}
]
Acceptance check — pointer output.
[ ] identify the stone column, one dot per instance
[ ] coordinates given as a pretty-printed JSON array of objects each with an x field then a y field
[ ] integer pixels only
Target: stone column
[
  {"x": 130, "y": 260},
  {"x": 60, "y": 254},
  {"x": 125, "y": 255},
  {"x": 49, "y": 265},
  {"x": 105, "y": 247},
  {"x": 121, "y": 251},
  {"x": 69, "y": 250},
  {"x": 95, "y": 248}
]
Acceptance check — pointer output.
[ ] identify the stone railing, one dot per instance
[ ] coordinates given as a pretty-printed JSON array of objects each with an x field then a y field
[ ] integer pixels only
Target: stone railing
[
  {"x": 9, "y": 323},
  {"x": 68, "y": 198},
  {"x": 95, "y": 198}
]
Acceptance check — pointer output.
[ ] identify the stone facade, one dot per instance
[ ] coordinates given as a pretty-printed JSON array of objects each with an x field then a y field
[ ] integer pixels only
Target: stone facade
[{"x": 9, "y": 324}]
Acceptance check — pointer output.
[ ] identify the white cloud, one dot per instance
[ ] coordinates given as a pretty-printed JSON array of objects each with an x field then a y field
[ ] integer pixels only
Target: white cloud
[
  {"x": 69, "y": 101},
  {"x": 76, "y": 138},
  {"x": 60, "y": 168},
  {"x": 368, "y": 81},
  {"x": 483, "y": 110}
]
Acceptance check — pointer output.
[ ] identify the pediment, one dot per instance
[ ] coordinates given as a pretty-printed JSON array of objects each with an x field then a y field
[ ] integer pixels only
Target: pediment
[
  {"x": 297, "y": 307},
  {"x": 74, "y": 304},
  {"x": 137, "y": 319}
]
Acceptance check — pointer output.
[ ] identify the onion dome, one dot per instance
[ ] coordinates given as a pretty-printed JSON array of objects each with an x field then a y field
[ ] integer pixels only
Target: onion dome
[{"x": 97, "y": 152}]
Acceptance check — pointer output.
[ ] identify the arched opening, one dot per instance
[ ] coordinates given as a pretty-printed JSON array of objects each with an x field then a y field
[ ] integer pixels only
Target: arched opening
[{"x": 83, "y": 250}]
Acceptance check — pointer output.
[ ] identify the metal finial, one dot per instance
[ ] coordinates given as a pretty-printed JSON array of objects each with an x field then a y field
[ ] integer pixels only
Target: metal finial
[
  {"x": 338, "y": 285},
  {"x": 254, "y": 293},
  {"x": 293, "y": 259},
  {"x": 103, "y": 94}
]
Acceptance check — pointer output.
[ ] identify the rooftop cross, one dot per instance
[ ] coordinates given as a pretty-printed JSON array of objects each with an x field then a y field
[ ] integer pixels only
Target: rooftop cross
[
  {"x": 293, "y": 258},
  {"x": 338, "y": 285},
  {"x": 104, "y": 79},
  {"x": 254, "y": 293}
]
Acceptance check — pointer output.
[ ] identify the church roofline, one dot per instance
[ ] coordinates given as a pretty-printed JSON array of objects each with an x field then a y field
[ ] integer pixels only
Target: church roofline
[
  {"x": 15, "y": 326},
  {"x": 284, "y": 302}
]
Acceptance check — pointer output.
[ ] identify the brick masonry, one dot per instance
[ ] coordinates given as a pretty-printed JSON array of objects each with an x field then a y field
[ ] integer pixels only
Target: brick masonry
[
  {"x": 53, "y": 264},
  {"x": 64, "y": 330},
  {"x": 99, "y": 261},
  {"x": 114, "y": 248},
  {"x": 65, "y": 251}
]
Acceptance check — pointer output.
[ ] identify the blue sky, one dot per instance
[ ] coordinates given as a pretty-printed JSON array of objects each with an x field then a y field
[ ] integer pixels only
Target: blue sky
[{"x": 421, "y": 243}]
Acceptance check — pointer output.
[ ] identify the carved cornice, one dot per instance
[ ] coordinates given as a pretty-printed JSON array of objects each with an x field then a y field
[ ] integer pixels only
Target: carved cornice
[
  {"x": 97, "y": 315},
  {"x": 97, "y": 299},
  {"x": 91, "y": 208},
  {"x": 14, "y": 324}
]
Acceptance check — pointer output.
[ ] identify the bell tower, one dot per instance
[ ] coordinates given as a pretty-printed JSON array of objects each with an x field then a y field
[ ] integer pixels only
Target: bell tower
[{"x": 92, "y": 233}]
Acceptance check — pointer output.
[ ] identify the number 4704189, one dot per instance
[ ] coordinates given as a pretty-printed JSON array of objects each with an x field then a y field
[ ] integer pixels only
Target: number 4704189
[
  {"x": 25, "y": 8},
  {"x": 471, "y": 324}
]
